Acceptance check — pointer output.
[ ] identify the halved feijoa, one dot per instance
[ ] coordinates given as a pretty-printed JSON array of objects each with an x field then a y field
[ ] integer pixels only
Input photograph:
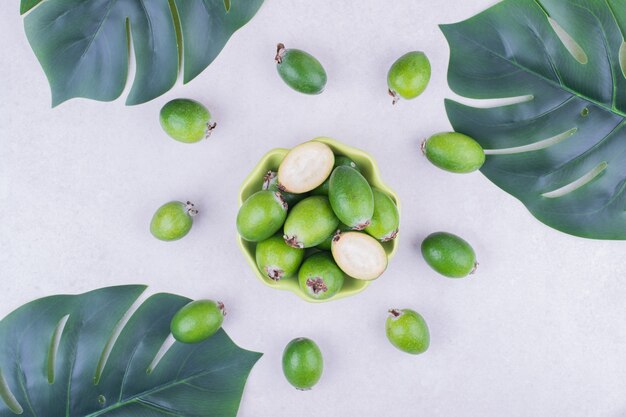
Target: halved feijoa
[
  {"x": 305, "y": 167},
  {"x": 359, "y": 255}
]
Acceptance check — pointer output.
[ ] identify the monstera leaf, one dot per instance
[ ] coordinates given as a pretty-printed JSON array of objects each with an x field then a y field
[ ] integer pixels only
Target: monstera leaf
[
  {"x": 560, "y": 147},
  {"x": 83, "y": 45},
  {"x": 59, "y": 357}
]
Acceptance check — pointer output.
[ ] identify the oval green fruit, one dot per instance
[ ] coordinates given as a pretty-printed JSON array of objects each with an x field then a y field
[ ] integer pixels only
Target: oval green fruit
[
  {"x": 300, "y": 70},
  {"x": 408, "y": 76},
  {"x": 319, "y": 277},
  {"x": 454, "y": 152},
  {"x": 305, "y": 167},
  {"x": 186, "y": 120},
  {"x": 449, "y": 255},
  {"x": 270, "y": 183},
  {"x": 359, "y": 255},
  {"x": 407, "y": 330},
  {"x": 310, "y": 222},
  {"x": 339, "y": 161},
  {"x": 197, "y": 321},
  {"x": 351, "y": 197},
  {"x": 172, "y": 220},
  {"x": 261, "y": 215},
  {"x": 277, "y": 260},
  {"x": 386, "y": 218},
  {"x": 303, "y": 363}
]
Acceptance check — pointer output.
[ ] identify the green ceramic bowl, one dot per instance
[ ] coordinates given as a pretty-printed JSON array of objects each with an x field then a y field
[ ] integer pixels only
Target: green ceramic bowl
[{"x": 270, "y": 162}]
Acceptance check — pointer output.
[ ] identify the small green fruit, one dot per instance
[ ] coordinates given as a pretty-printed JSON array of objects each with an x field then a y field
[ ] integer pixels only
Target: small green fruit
[
  {"x": 359, "y": 255},
  {"x": 261, "y": 215},
  {"x": 277, "y": 260},
  {"x": 454, "y": 152},
  {"x": 320, "y": 278},
  {"x": 408, "y": 331},
  {"x": 327, "y": 244},
  {"x": 303, "y": 363},
  {"x": 172, "y": 220},
  {"x": 351, "y": 197},
  {"x": 270, "y": 183},
  {"x": 197, "y": 321},
  {"x": 386, "y": 218},
  {"x": 186, "y": 120},
  {"x": 449, "y": 255},
  {"x": 339, "y": 161},
  {"x": 300, "y": 70},
  {"x": 305, "y": 167},
  {"x": 408, "y": 76},
  {"x": 310, "y": 222}
]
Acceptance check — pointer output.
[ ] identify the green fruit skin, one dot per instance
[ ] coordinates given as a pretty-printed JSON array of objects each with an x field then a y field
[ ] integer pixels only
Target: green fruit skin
[
  {"x": 303, "y": 363},
  {"x": 261, "y": 215},
  {"x": 171, "y": 221},
  {"x": 449, "y": 255},
  {"x": 408, "y": 332},
  {"x": 270, "y": 183},
  {"x": 339, "y": 161},
  {"x": 454, "y": 152},
  {"x": 351, "y": 197},
  {"x": 197, "y": 321},
  {"x": 327, "y": 244},
  {"x": 386, "y": 218},
  {"x": 310, "y": 222},
  {"x": 302, "y": 72},
  {"x": 320, "y": 268},
  {"x": 409, "y": 75},
  {"x": 277, "y": 260},
  {"x": 185, "y": 120}
]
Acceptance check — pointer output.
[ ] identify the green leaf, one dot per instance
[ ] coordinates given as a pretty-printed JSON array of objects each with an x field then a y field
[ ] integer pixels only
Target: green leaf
[
  {"x": 560, "y": 148},
  {"x": 83, "y": 45},
  {"x": 59, "y": 357}
]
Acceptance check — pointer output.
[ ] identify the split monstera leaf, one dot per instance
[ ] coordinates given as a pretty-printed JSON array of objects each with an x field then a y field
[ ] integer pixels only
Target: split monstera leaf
[
  {"x": 97, "y": 354},
  {"x": 83, "y": 45},
  {"x": 560, "y": 147}
]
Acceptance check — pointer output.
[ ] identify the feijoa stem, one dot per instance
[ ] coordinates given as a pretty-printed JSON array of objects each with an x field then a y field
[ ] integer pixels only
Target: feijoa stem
[
  {"x": 395, "y": 312},
  {"x": 394, "y": 96},
  {"x": 423, "y": 146},
  {"x": 220, "y": 305},
  {"x": 191, "y": 209},
  {"x": 209, "y": 129},
  {"x": 474, "y": 268},
  {"x": 280, "y": 51}
]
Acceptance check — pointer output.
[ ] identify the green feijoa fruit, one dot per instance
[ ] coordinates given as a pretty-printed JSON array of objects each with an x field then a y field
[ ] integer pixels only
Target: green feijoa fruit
[
  {"x": 339, "y": 161},
  {"x": 305, "y": 167},
  {"x": 407, "y": 330},
  {"x": 277, "y": 260},
  {"x": 454, "y": 152},
  {"x": 270, "y": 183},
  {"x": 197, "y": 321},
  {"x": 310, "y": 222},
  {"x": 261, "y": 215},
  {"x": 320, "y": 278},
  {"x": 351, "y": 197},
  {"x": 408, "y": 76},
  {"x": 300, "y": 70},
  {"x": 386, "y": 218},
  {"x": 303, "y": 363},
  {"x": 359, "y": 255},
  {"x": 328, "y": 242},
  {"x": 186, "y": 120},
  {"x": 449, "y": 255},
  {"x": 172, "y": 220}
]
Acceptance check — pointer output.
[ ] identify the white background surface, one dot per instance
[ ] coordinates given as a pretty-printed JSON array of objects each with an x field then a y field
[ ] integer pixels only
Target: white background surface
[{"x": 538, "y": 331}]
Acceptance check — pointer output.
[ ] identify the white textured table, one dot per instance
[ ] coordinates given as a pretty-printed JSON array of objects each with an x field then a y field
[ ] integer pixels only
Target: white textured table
[{"x": 538, "y": 331}]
